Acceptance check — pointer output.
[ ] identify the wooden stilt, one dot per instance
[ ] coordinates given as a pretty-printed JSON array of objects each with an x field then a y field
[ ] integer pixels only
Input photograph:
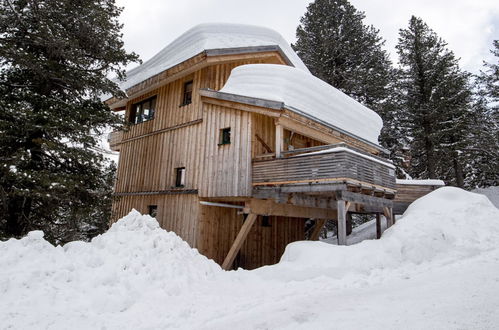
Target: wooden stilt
[
  {"x": 238, "y": 242},
  {"x": 388, "y": 212},
  {"x": 319, "y": 224},
  {"x": 378, "y": 225},
  {"x": 342, "y": 223}
]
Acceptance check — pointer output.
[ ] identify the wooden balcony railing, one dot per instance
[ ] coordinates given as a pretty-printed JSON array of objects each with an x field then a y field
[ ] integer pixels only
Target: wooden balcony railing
[
  {"x": 114, "y": 139},
  {"x": 337, "y": 164}
]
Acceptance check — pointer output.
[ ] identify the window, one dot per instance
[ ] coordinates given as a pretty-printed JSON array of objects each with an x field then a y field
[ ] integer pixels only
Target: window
[
  {"x": 187, "y": 98},
  {"x": 180, "y": 177},
  {"x": 266, "y": 221},
  {"x": 153, "y": 210},
  {"x": 143, "y": 111},
  {"x": 224, "y": 136}
]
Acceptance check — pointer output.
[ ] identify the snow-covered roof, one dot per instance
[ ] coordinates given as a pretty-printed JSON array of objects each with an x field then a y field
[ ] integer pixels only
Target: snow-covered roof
[
  {"x": 427, "y": 182},
  {"x": 303, "y": 93},
  {"x": 210, "y": 36}
]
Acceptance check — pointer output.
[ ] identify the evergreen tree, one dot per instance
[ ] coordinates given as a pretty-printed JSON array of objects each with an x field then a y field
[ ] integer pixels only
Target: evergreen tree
[
  {"x": 340, "y": 49},
  {"x": 436, "y": 103},
  {"x": 483, "y": 166},
  {"x": 55, "y": 56}
]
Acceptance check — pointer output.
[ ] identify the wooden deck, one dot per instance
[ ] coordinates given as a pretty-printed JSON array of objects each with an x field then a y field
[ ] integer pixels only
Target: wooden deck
[{"x": 342, "y": 165}]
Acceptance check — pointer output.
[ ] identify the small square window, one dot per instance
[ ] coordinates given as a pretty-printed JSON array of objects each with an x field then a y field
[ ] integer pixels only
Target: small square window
[
  {"x": 224, "y": 136},
  {"x": 266, "y": 221},
  {"x": 187, "y": 96},
  {"x": 180, "y": 177},
  {"x": 153, "y": 210}
]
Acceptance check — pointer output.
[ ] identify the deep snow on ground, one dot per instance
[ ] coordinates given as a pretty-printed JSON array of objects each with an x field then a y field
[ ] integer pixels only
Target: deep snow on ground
[{"x": 437, "y": 268}]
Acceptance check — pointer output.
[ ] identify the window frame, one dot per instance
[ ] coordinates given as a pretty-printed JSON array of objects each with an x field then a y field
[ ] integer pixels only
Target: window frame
[
  {"x": 137, "y": 111},
  {"x": 180, "y": 177},
  {"x": 152, "y": 209},
  {"x": 187, "y": 95},
  {"x": 222, "y": 136}
]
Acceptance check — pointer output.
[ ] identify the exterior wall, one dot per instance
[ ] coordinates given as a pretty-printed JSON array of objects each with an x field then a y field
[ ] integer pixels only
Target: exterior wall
[
  {"x": 218, "y": 227},
  {"x": 227, "y": 169},
  {"x": 176, "y": 212},
  {"x": 148, "y": 164}
]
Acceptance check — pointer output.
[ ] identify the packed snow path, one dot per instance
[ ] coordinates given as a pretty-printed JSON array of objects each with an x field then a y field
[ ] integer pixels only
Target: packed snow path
[{"x": 437, "y": 268}]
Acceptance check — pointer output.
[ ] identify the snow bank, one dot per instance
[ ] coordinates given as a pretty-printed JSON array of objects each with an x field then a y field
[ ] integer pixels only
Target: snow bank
[
  {"x": 116, "y": 271},
  {"x": 444, "y": 226},
  {"x": 492, "y": 193},
  {"x": 436, "y": 268},
  {"x": 209, "y": 36},
  {"x": 305, "y": 94}
]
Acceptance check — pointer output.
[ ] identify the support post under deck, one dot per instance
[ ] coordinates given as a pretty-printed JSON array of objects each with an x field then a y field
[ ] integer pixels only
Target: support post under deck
[
  {"x": 342, "y": 223},
  {"x": 378, "y": 225}
]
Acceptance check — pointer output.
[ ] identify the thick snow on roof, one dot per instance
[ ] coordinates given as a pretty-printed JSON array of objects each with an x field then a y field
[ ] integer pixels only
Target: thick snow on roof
[
  {"x": 308, "y": 95},
  {"x": 209, "y": 36}
]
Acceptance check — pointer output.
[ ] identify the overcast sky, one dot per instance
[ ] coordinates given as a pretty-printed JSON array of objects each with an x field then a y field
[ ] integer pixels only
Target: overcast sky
[{"x": 469, "y": 26}]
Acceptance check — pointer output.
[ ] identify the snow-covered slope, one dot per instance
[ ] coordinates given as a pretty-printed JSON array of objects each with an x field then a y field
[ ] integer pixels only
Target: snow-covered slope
[
  {"x": 305, "y": 94},
  {"x": 209, "y": 36},
  {"x": 436, "y": 268}
]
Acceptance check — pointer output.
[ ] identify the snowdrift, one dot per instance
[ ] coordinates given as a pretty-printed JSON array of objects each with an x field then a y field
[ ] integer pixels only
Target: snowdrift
[
  {"x": 441, "y": 260},
  {"x": 446, "y": 225}
]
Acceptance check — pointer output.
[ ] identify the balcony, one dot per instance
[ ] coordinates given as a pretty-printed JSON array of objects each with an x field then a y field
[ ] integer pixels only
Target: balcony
[
  {"x": 114, "y": 139},
  {"x": 320, "y": 168}
]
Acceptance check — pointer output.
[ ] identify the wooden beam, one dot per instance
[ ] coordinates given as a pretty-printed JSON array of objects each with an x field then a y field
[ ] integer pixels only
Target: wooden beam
[
  {"x": 279, "y": 135},
  {"x": 319, "y": 224},
  {"x": 262, "y": 142},
  {"x": 270, "y": 207},
  {"x": 238, "y": 242},
  {"x": 364, "y": 199},
  {"x": 378, "y": 225},
  {"x": 342, "y": 223},
  {"x": 324, "y": 202}
]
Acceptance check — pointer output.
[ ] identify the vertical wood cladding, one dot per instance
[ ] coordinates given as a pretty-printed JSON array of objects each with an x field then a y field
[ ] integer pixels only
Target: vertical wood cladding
[
  {"x": 227, "y": 167},
  {"x": 218, "y": 227},
  {"x": 178, "y": 213}
]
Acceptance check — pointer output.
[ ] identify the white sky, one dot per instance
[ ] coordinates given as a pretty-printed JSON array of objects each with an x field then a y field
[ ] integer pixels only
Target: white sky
[{"x": 469, "y": 26}]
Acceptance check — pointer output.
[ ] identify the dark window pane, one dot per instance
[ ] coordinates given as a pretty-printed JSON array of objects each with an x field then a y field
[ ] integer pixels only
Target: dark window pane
[
  {"x": 180, "y": 177},
  {"x": 143, "y": 111},
  {"x": 224, "y": 136},
  {"x": 187, "y": 98},
  {"x": 153, "y": 210}
]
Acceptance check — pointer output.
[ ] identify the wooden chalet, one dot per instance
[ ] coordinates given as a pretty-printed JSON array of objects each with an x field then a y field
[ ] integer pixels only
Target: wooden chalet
[{"x": 237, "y": 175}]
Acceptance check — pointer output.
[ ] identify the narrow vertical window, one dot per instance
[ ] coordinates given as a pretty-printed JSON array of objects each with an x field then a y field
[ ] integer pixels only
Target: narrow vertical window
[
  {"x": 153, "y": 210},
  {"x": 224, "y": 137},
  {"x": 180, "y": 177},
  {"x": 187, "y": 97}
]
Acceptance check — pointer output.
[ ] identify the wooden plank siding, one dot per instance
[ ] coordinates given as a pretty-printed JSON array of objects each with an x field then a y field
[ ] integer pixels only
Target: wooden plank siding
[
  {"x": 219, "y": 227},
  {"x": 325, "y": 166},
  {"x": 177, "y": 212},
  {"x": 227, "y": 171}
]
